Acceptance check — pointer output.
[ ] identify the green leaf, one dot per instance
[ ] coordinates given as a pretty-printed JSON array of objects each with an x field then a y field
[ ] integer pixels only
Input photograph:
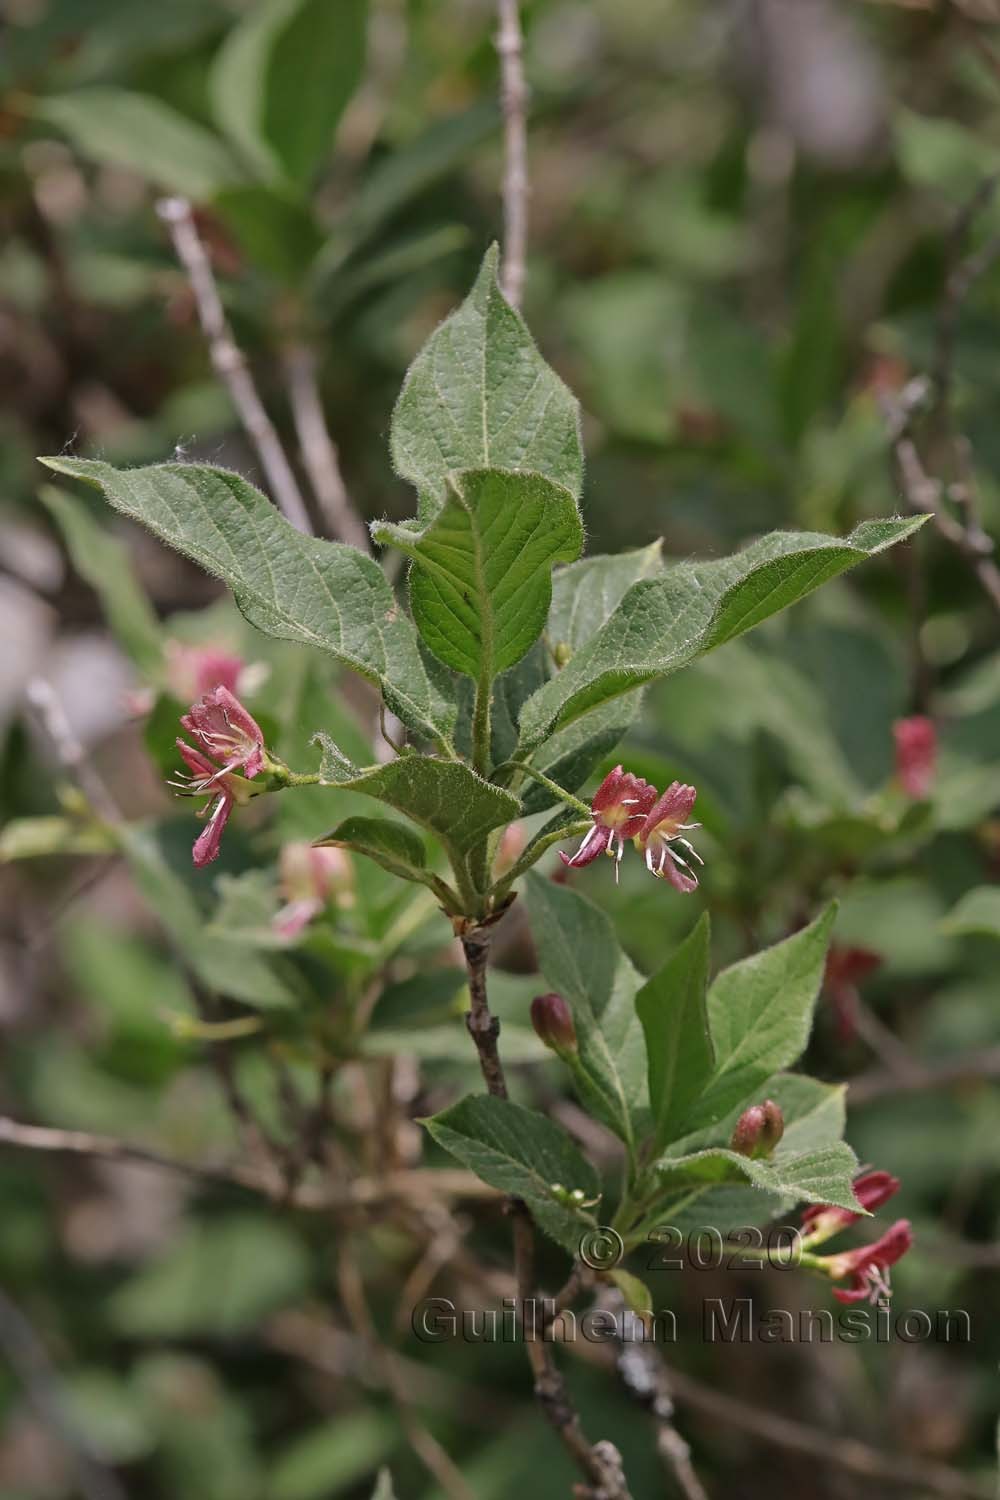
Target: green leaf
[
  {"x": 569, "y": 756},
  {"x": 396, "y": 848},
  {"x": 636, "y": 1293},
  {"x": 333, "y": 1458},
  {"x": 103, "y": 561},
  {"x": 401, "y": 175},
  {"x": 295, "y": 587},
  {"x": 976, "y": 914},
  {"x": 398, "y": 261},
  {"x": 444, "y": 796},
  {"x": 821, "y": 1175},
  {"x": 814, "y": 1117},
  {"x": 481, "y": 580},
  {"x": 146, "y": 135},
  {"x": 225, "y": 964},
  {"x": 583, "y": 596},
  {"x": 579, "y": 956},
  {"x": 283, "y": 78},
  {"x": 480, "y": 396},
  {"x": 221, "y": 1277},
  {"x": 671, "y": 1007},
  {"x": 30, "y": 838},
  {"x": 110, "y": 1415},
  {"x": 760, "y": 1014},
  {"x": 815, "y": 1113},
  {"x": 588, "y": 592},
  {"x": 383, "y": 1487},
  {"x": 451, "y": 1043},
  {"x": 522, "y": 1153},
  {"x": 277, "y": 231},
  {"x": 662, "y": 624}
]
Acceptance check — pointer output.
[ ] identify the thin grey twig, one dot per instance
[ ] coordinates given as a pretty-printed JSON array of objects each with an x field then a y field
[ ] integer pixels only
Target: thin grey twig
[
  {"x": 423, "y": 1442},
  {"x": 514, "y": 102},
  {"x": 644, "y": 1374},
  {"x": 229, "y": 361},
  {"x": 24, "y": 1352},
  {"x": 925, "y": 495},
  {"x": 43, "y": 699},
  {"x": 600, "y": 1462},
  {"x": 967, "y": 1068},
  {"x": 319, "y": 452},
  {"x": 361, "y": 1192},
  {"x": 920, "y": 1476},
  {"x": 890, "y": 1051},
  {"x": 963, "y": 272},
  {"x": 924, "y": 492}
]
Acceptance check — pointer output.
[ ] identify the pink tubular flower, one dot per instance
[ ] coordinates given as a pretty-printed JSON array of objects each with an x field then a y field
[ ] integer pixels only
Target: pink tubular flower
[
  {"x": 916, "y": 755},
  {"x": 872, "y": 1189},
  {"x": 205, "y": 779},
  {"x": 227, "y": 732},
  {"x": 660, "y": 831},
  {"x": 193, "y": 671},
  {"x": 619, "y": 806},
  {"x": 868, "y": 1267},
  {"x": 206, "y": 845},
  {"x": 311, "y": 877}
]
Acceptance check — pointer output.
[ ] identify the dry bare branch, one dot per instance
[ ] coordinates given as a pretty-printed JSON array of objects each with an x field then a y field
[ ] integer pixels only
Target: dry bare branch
[
  {"x": 514, "y": 102},
  {"x": 229, "y": 361},
  {"x": 319, "y": 452}
]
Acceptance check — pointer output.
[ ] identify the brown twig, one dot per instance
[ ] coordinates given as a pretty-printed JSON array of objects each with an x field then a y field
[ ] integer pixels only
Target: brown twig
[
  {"x": 319, "y": 452},
  {"x": 308, "y": 1334},
  {"x": 362, "y": 1192},
  {"x": 423, "y": 1442},
  {"x": 925, "y": 495},
  {"x": 890, "y": 1051},
  {"x": 27, "y": 1357},
  {"x": 973, "y": 1067},
  {"x": 963, "y": 272},
  {"x": 52, "y": 717},
  {"x": 919, "y": 1475},
  {"x": 229, "y": 361},
  {"x": 484, "y": 1028},
  {"x": 514, "y": 101},
  {"x": 600, "y": 1462},
  {"x": 923, "y": 492}
]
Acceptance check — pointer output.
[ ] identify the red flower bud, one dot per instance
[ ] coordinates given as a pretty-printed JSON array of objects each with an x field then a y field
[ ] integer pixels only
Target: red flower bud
[
  {"x": 758, "y": 1129},
  {"x": 553, "y": 1022},
  {"x": 916, "y": 755}
]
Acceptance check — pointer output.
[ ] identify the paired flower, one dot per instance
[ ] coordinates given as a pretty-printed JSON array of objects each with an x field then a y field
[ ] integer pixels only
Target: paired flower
[
  {"x": 916, "y": 755},
  {"x": 867, "y": 1268},
  {"x": 627, "y": 807},
  {"x": 230, "y": 741}
]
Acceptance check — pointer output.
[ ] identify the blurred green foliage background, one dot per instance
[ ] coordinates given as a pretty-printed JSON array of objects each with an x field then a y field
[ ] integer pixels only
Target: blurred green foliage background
[{"x": 744, "y": 217}]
